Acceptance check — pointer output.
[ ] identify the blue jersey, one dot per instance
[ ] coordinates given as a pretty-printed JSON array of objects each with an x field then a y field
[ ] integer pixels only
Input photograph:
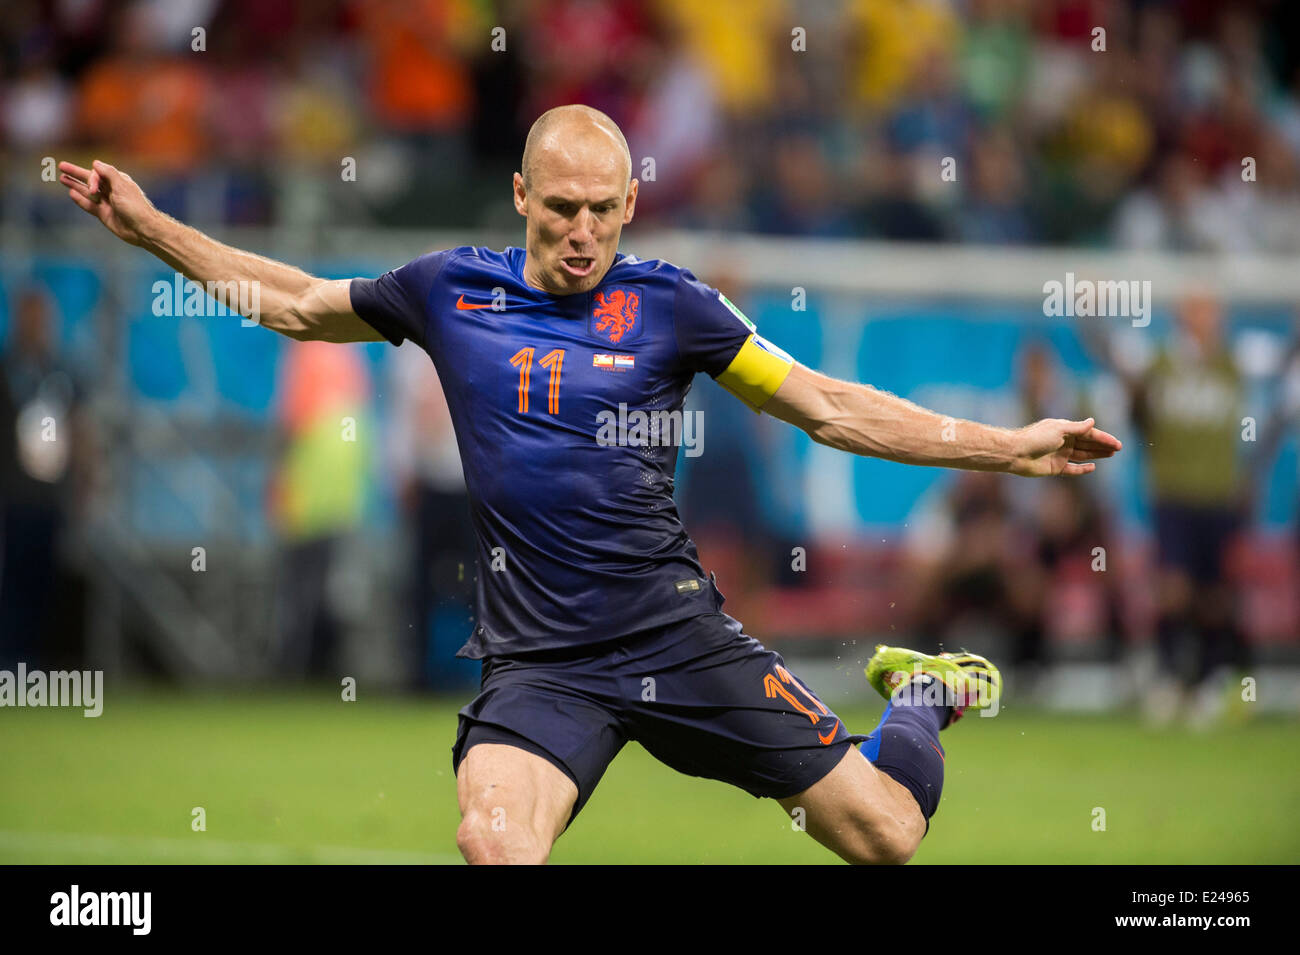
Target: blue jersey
[{"x": 579, "y": 539}]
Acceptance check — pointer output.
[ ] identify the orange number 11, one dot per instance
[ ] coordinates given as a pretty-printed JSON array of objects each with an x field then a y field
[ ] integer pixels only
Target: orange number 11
[{"x": 554, "y": 361}]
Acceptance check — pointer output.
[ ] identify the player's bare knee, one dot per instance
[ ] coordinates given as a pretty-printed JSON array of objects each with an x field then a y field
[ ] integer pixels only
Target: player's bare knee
[
  {"x": 903, "y": 842},
  {"x": 485, "y": 838},
  {"x": 888, "y": 838},
  {"x": 874, "y": 849},
  {"x": 473, "y": 844},
  {"x": 878, "y": 848}
]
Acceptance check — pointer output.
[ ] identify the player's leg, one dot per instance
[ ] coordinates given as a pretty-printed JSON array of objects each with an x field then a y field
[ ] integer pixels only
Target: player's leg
[
  {"x": 529, "y": 752},
  {"x": 513, "y": 804},
  {"x": 726, "y": 708},
  {"x": 859, "y": 813},
  {"x": 876, "y": 804}
]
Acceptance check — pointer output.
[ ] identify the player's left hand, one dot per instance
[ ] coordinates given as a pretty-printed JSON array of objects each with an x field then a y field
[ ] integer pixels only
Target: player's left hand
[
  {"x": 1057, "y": 446},
  {"x": 112, "y": 197}
]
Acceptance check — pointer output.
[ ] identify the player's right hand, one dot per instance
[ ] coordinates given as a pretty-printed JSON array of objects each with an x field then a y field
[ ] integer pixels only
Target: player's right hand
[
  {"x": 112, "y": 197},
  {"x": 1057, "y": 446}
]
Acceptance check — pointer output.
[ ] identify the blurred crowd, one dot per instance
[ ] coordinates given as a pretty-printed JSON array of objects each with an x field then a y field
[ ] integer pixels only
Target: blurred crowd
[{"x": 1002, "y": 121}]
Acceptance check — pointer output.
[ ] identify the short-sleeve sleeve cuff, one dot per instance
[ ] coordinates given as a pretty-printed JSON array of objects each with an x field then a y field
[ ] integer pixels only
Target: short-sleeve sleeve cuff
[{"x": 369, "y": 303}]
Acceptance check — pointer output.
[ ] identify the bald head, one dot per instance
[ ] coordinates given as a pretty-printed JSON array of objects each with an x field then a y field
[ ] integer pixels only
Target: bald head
[
  {"x": 577, "y": 192},
  {"x": 565, "y": 129}
]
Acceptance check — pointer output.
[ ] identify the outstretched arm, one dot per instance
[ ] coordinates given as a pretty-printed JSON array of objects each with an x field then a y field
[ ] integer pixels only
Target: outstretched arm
[
  {"x": 862, "y": 420},
  {"x": 290, "y": 301}
]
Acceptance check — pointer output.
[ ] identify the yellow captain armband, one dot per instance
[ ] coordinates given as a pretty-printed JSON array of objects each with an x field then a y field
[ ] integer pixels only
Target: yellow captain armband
[{"x": 756, "y": 372}]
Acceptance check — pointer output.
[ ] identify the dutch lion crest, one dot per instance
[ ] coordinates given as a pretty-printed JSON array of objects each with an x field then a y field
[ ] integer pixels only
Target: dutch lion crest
[{"x": 616, "y": 313}]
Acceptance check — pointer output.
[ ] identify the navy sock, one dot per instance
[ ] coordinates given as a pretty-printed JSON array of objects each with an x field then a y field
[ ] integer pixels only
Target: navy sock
[{"x": 905, "y": 745}]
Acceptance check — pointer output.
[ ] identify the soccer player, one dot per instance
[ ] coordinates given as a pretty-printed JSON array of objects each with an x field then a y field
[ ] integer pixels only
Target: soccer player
[{"x": 596, "y": 623}]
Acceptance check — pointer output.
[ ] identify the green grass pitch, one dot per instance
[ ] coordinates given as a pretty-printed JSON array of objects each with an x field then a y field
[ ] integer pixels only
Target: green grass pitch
[{"x": 308, "y": 778}]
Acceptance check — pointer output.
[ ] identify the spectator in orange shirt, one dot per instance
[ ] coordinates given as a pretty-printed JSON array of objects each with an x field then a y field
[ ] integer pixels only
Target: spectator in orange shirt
[
  {"x": 143, "y": 105},
  {"x": 419, "y": 78}
]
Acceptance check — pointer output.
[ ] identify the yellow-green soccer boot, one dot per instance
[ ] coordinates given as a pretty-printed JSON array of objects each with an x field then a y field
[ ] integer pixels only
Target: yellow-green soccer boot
[{"x": 969, "y": 680}]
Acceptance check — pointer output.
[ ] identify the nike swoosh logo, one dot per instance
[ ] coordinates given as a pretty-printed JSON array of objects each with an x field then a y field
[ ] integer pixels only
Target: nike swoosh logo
[
  {"x": 464, "y": 305},
  {"x": 826, "y": 740}
]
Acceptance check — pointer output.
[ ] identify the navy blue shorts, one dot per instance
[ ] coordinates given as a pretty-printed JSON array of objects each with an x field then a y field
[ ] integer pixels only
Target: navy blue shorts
[{"x": 699, "y": 694}]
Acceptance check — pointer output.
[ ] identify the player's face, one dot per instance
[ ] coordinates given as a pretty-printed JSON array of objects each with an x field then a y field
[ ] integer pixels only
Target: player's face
[{"x": 578, "y": 203}]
